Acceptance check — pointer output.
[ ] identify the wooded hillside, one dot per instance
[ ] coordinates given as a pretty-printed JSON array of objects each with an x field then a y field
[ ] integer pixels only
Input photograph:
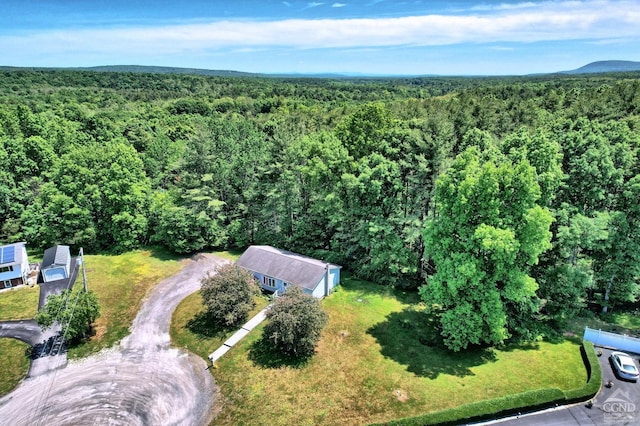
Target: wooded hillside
[{"x": 514, "y": 201}]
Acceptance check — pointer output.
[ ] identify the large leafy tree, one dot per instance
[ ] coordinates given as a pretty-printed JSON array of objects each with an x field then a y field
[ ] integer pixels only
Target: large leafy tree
[
  {"x": 486, "y": 233},
  {"x": 618, "y": 269},
  {"x": 75, "y": 311},
  {"x": 228, "y": 294},
  {"x": 97, "y": 196}
]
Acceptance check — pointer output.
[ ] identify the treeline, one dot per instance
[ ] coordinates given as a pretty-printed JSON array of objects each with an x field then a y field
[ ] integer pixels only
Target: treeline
[{"x": 403, "y": 181}]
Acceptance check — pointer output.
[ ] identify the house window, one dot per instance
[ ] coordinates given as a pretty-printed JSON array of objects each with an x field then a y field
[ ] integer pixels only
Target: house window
[
  {"x": 7, "y": 284},
  {"x": 269, "y": 282},
  {"x": 6, "y": 269}
]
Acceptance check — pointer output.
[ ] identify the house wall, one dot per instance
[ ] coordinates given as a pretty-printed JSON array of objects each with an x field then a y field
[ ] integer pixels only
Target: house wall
[
  {"x": 334, "y": 277},
  {"x": 14, "y": 282},
  {"x": 319, "y": 290},
  {"x": 11, "y": 275},
  {"x": 278, "y": 284},
  {"x": 16, "y": 273},
  {"x": 25, "y": 265},
  {"x": 334, "y": 280}
]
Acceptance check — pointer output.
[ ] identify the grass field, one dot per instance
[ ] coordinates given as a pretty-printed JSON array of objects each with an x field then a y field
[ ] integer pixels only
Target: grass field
[
  {"x": 15, "y": 364},
  {"x": 190, "y": 330},
  {"x": 121, "y": 283},
  {"x": 372, "y": 366},
  {"x": 19, "y": 303}
]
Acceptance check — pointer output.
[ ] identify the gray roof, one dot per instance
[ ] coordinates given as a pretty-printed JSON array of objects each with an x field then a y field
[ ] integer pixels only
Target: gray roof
[
  {"x": 284, "y": 265},
  {"x": 56, "y": 255},
  {"x": 13, "y": 256}
]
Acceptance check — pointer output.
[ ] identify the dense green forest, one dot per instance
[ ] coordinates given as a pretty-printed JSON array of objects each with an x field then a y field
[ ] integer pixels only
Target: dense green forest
[{"x": 512, "y": 203}]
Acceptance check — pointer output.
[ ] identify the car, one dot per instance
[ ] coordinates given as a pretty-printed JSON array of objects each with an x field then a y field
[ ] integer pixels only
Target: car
[{"x": 624, "y": 366}]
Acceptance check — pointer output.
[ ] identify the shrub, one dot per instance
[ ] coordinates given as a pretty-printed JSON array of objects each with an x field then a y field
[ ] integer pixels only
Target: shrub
[
  {"x": 594, "y": 375},
  {"x": 295, "y": 323},
  {"x": 228, "y": 294}
]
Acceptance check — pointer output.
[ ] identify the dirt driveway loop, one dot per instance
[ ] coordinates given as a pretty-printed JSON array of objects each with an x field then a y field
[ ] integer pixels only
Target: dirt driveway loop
[{"x": 141, "y": 381}]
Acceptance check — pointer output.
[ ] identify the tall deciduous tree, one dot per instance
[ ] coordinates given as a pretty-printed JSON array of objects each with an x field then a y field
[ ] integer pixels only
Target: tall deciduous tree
[
  {"x": 618, "y": 270},
  {"x": 486, "y": 233},
  {"x": 97, "y": 197}
]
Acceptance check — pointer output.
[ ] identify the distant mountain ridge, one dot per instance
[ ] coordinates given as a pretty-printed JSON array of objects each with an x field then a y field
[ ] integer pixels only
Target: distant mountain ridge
[
  {"x": 606, "y": 66},
  {"x": 150, "y": 69},
  {"x": 592, "y": 68}
]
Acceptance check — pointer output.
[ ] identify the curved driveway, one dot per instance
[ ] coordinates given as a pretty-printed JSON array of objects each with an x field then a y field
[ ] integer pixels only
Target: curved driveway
[
  {"x": 27, "y": 331},
  {"x": 143, "y": 381}
]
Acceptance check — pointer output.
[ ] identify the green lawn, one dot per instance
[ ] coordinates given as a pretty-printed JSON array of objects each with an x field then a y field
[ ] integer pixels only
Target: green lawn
[
  {"x": 190, "y": 330},
  {"x": 15, "y": 364},
  {"x": 121, "y": 283},
  {"x": 19, "y": 303},
  {"x": 372, "y": 366}
]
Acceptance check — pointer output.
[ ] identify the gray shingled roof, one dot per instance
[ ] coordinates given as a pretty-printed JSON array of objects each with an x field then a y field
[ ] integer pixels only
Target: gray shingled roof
[
  {"x": 56, "y": 255},
  {"x": 284, "y": 265}
]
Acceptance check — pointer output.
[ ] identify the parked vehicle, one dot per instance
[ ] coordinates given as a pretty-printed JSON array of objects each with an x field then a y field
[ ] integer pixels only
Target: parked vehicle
[{"x": 624, "y": 366}]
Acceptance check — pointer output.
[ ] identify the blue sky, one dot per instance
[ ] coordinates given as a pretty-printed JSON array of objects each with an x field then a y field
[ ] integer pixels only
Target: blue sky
[{"x": 460, "y": 37}]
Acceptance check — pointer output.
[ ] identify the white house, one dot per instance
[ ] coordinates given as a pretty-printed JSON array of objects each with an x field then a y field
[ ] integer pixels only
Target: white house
[
  {"x": 276, "y": 269},
  {"x": 14, "y": 265}
]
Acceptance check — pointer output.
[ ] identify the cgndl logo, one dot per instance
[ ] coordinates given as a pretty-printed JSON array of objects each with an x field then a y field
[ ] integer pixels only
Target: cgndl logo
[{"x": 619, "y": 406}]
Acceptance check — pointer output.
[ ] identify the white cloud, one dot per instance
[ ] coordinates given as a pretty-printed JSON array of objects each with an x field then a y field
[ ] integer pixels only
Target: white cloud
[
  {"x": 314, "y": 4},
  {"x": 502, "y": 48},
  {"x": 338, "y": 5},
  {"x": 597, "y": 20},
  {"x": 504, "y": 6},
  {"x": 286, "y": 3}
]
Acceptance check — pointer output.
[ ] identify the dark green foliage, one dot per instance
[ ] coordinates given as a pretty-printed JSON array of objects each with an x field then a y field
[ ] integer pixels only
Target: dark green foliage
[
  {"x": 228, "y": 294},
  {"x": 483, "y": 244},
  {"x": 75, "y": 311},
  {"x": 295, "y": 322},
  {"x": 344, "y": 170}
]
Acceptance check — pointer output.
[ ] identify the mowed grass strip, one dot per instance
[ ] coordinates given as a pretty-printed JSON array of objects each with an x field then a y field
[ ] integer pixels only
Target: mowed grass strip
[
  {"x": 15, "y": 364},
  {"x": 371, "y": 365},
  {"x": 19, "y": 303},
  {"x": 121, "y": 283}
]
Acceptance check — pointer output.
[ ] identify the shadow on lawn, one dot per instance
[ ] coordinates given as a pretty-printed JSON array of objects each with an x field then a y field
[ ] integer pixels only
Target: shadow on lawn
[
  {"x": 411, "y": 337},
  {"x": 264, "y": 355},
  {"x": 362, "y": 290},
  {"x": 202, "y": 325}
]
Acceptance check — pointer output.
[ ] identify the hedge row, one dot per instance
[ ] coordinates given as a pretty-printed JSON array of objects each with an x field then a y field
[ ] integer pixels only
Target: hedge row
[{"x": 518, "y": 403}]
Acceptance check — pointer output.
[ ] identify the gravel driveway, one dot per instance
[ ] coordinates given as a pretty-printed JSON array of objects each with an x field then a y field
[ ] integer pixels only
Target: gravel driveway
[{"x": 142, "y": 381}]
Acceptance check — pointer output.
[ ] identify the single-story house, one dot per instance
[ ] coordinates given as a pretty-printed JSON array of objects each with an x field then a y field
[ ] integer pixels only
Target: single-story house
[
  {"x": 14, "y": 265},
  {"x": 56, "y": 264},
  {"x": 276, "y": 269}
]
